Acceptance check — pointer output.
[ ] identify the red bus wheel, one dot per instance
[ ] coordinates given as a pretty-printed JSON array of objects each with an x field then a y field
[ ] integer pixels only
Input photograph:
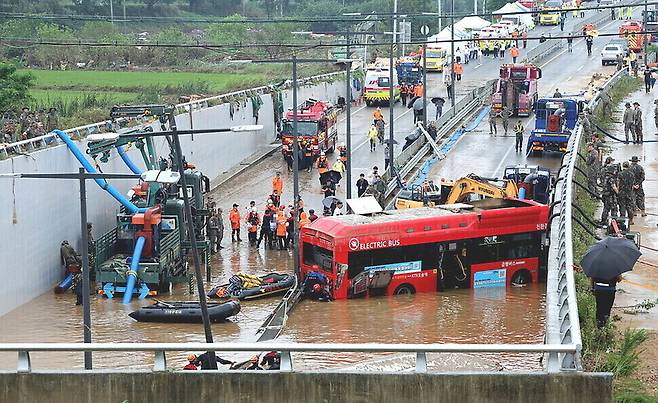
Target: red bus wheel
[{"x": 404, "y": 289}]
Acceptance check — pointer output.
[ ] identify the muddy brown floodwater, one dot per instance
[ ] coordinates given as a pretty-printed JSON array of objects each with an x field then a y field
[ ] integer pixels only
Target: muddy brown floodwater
[{"x": 513, "y": 315}]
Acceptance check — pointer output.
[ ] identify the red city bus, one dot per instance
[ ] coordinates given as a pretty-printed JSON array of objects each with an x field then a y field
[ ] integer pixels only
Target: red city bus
[{"x": 485, "y": 243}]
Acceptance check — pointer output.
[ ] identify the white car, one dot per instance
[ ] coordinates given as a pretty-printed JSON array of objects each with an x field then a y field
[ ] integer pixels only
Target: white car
[
  {"x": 510, "y": 25},
  {"x": 610, "y": 53}
]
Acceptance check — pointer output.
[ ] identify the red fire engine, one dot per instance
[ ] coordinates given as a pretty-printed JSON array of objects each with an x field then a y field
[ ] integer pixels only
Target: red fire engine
[
  {"x": 316, "y": 125},
  {"x": 629, "y": 30}
]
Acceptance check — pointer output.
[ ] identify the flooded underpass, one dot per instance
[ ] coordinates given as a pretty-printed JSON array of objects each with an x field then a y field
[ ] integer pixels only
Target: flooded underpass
[{"x": 513, "y": 315}]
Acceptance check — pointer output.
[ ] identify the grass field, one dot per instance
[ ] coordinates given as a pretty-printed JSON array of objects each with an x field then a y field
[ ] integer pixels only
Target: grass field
[
  {"x": 134, "y": 81},
  {"x": 50, "y": 96}
]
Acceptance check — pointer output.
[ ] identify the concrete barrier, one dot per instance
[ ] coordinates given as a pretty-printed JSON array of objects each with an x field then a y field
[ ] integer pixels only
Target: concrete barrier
[
  {"x": 38, "y": 214},
  {"x": 308, "y": 387}
]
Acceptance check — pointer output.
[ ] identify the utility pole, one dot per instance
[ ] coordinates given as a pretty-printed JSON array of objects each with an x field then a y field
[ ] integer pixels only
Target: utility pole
[
  {"x": 438, "y": 3},
  {"x": 646, "y": 61},
  {"x": 348, "y": 120},
  {"x": 425, "y": 86},
  {"x": 395, "y": 23},
  {"x": 391, "y": 104},
  {"x": 295, "y": 169},
  {"x": 111, "y": 12},
  {"x": 86, "y": 309},
  {"x": 452, "y": 52}
]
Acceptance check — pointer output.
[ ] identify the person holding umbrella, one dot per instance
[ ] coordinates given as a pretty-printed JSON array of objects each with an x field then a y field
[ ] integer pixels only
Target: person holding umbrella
[{"x": 604, "y": 262}]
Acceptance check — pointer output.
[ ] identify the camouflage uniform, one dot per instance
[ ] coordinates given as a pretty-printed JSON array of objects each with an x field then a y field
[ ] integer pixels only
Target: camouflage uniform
[
  {"x": 638, "y": 171},
  {"x": 593, "y": 169},
  {"x": 625, "y": 196},
  {"x": 610, "y": 189},
  {"x": 505, "y": 115},
  {"x": 629, "y": 119},
  {"x": 637, "y": 125}
]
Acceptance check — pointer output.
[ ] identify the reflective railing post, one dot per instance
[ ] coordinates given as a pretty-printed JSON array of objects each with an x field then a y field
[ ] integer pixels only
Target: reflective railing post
[
  {"x": 24, "y": 362},
  {"x": 160, "y": 361}
]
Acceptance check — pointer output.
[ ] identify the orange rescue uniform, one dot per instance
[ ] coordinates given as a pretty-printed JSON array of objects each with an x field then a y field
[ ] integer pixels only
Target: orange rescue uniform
[
  {"x": 277, "y": 185},
  {"x": 234, "y": 218}
]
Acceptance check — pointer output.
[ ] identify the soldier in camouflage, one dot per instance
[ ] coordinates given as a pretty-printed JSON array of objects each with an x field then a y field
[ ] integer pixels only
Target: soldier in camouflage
[
  {"x": 593, "y": 168},
  {"x": 625, "y": 197},
  {"x": 637, "y": 187},
  {"x": 610, "y": 190}
]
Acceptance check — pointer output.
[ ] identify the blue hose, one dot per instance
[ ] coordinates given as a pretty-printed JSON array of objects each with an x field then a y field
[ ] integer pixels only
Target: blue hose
[
  {"x": 128, "y": 161},
  {"x": 131, "y": 275},
  {"x": 101, "y": 182}
]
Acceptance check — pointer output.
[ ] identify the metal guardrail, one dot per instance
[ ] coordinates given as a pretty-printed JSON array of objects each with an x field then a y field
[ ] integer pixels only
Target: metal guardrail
[
  {"x": 562, "y": 322},
  {"x": 50, "y": 139},
  {"x": 23, "y": 350}
]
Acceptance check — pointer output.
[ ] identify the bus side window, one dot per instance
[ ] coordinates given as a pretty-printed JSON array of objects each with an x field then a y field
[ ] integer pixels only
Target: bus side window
[{"x": 314, "y": 254}]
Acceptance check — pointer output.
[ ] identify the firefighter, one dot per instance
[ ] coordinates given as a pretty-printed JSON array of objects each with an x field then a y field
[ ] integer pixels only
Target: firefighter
[
  {"x": 281, "y": 229},
  {"x": 322, "y": 164},
  {"x": 234, "y": 218},
  {"x": 253, "y": 221},
  {"x": 277, "y": 188},
  {"x": 514, "y": 52},
  {"x": 267, "y": 228},
  {"x": 589, "y": 40},
  {"x": 287, "y": 156},
  {"x": 404, "y": 91},
  {"x": 377, "y": 115}
]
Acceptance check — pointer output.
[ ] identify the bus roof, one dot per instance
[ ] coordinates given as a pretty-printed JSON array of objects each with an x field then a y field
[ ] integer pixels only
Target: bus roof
[{"x": 423, "y": 219}]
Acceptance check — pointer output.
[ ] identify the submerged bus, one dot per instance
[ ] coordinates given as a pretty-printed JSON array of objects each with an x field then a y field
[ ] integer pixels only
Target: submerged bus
[{"x": 484, "y": 243}]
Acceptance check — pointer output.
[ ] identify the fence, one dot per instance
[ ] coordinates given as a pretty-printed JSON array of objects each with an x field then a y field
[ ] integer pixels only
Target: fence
[
  {"x": 562, "y": 323},
  {"x": 159, "y": 350}
]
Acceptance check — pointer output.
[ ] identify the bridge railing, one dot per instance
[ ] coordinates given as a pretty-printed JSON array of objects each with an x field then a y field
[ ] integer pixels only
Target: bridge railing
[
  {"x": 562, "y": 322},
  {"x": 160, "y": 350}
]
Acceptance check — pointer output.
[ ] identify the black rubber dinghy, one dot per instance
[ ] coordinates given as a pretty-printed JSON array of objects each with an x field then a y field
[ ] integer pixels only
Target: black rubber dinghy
[
  {"x": 270, "y": 284},
  {"x": 185, "y": 312}
]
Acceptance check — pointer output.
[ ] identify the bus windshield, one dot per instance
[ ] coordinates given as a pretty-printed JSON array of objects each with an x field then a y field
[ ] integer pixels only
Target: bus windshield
[{"x": 304, "y": 128}]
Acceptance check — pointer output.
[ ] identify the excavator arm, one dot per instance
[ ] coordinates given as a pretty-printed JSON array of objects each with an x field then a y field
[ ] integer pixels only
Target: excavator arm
[{"x": 473, "y": 184}]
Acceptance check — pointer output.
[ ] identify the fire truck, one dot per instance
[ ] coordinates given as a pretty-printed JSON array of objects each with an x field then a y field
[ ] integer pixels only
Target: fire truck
[
  {"x": 316, "y": 124},
  {"x": 630, "y": 31},
  {"x": 516, "y": 88}
]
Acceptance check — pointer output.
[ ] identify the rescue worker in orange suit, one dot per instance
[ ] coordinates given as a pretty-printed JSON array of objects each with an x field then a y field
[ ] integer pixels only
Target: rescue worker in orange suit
[
  {"x": 459, "y": 70},
  {"x": 377, "y": 115},
  {"x": 277, "y": 188},
  {"x": 342, "y": 152},
  {"x": 234, "y": 218},
  {"x": 281, "y": 229},
  {"x": 253, "y": 221},
  {"x": 418, "y": 90},
  {"x": 404, "y": 92},
  {"x": 514, "y": 52}
]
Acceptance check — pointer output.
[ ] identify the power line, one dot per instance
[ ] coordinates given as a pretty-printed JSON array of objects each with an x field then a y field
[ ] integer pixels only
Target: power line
[
  {"x": 306, "y": 46},
  {"x": 344, "y": 18}
]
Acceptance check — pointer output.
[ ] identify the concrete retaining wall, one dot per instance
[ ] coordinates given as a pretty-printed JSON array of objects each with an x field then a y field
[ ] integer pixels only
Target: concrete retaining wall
[
  {"x": 265, "y": 387},
  {"x": 36, "y": 215}
]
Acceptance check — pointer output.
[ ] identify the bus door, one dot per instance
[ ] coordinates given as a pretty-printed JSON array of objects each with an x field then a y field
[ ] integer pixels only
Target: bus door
[{"x": 453, "y": 265}]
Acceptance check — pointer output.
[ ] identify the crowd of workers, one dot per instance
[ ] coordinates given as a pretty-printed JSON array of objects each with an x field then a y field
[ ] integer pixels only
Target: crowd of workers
[{"x": 26, "y": 124}]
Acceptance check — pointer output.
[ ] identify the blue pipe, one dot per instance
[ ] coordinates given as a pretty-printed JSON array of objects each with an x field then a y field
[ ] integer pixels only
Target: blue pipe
[
  {"x": 101, "y": 182},
  {"x": 128, "y": 161},
  {"x": 131, "y": 276}
]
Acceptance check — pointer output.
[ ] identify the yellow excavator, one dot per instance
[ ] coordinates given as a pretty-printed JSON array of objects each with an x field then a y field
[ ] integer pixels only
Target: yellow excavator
[{"x": 468, "y": 188}]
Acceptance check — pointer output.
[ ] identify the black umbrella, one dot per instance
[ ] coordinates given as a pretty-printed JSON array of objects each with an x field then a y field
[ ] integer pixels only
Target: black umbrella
[
  {"x": 335, "y": 176},
  {"x": 387, "y": 141},
  {"x": 610, "y": 257}
]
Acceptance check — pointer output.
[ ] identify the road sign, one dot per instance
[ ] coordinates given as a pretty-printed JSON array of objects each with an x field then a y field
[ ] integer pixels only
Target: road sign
[{"x": 425, "y": 30}]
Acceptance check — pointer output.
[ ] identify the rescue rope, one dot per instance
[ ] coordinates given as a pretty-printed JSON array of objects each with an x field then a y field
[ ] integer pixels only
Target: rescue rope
[{"x": 617, "y": 139}]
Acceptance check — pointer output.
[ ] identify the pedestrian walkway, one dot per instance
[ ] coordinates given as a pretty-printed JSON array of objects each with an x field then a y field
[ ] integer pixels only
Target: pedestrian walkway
[{"x": 641, "y": 284}]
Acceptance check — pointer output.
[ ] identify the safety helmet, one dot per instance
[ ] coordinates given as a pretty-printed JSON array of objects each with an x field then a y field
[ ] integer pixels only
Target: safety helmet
[
  {"x": 317, "y": 287},
  {"x": 191, "y": 357}
]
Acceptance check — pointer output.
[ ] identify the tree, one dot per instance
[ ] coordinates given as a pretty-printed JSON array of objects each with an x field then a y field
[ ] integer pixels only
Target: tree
[{"x": 14, "y": 87}]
